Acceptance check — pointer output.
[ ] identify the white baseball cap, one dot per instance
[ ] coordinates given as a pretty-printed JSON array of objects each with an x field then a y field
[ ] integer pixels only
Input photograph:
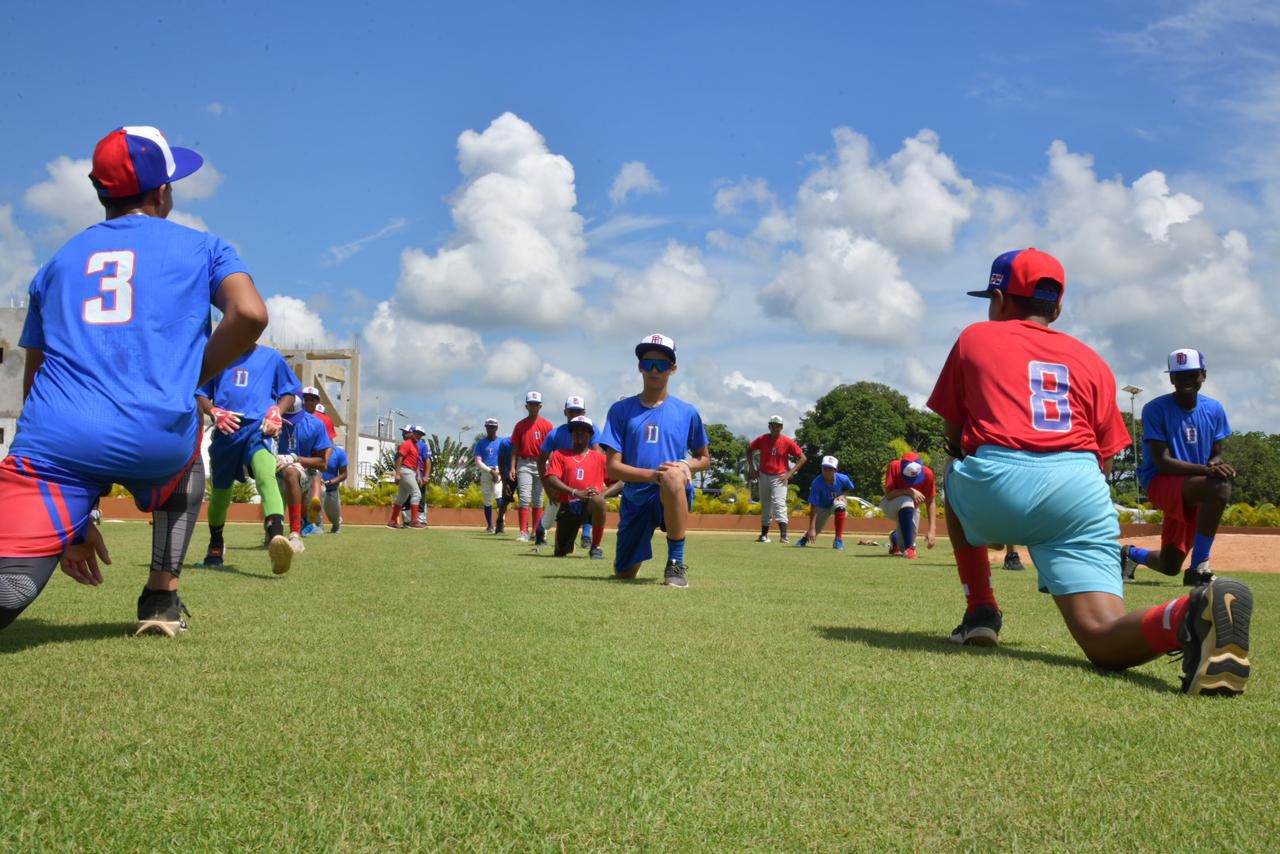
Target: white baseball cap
[
  {"x": 656, "y": 341},
  {"x": 775, "y": 419},
  {"x": 491, "y": 422},
  {"x": 1185, "y": 359},
  {"x": 581, "y": 419},
  {"x": 830, "y": 462},
  {"x": 320, "y": 407},
  {"x": 417, "y": 428},
  {"x": 312, "y": 390},
  {"x": 912, "y": 470},
  {"x": 533, "y": 397},
  {"x": 573, "y": 401}
]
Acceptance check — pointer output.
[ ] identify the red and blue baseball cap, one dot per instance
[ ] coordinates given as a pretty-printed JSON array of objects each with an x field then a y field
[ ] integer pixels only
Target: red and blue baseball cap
[
  {"x": 1186, "y": 359},
  {"x": 1018, "y": 272},
  {"x": 912, "y": 469},
  {"x": 130, "y": 161}
]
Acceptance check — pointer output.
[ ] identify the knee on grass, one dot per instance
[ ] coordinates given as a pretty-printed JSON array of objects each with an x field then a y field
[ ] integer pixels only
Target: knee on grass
[{"x": 629, "y": 572}]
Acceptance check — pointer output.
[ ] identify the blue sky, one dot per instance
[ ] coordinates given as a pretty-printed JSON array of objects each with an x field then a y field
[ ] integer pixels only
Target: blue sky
[{"x": 809, "y": 191}]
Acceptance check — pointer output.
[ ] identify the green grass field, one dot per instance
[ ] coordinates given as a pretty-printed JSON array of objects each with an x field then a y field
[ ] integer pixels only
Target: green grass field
[{"x": 444, "y": 689}]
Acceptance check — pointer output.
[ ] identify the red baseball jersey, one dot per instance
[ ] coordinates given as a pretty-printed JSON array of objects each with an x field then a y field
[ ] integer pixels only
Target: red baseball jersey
[
  {"x": 328, "y": 424},
  {"x": 409, "y": 454},
  {"x": 577, "y": 473},
  {"x": 527, "y": 437},
  {"x": 1020, "y": 385},
  {"x": 893, "y": 479},
  {"x": 774, "y": 452}
]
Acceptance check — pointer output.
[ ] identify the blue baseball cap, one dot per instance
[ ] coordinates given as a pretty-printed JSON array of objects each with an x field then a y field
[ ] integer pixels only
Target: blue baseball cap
[{"x": 1018, "y": 272}]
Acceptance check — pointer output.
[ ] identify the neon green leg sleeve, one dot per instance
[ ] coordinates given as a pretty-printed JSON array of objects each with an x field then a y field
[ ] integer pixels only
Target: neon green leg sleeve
[
  {"x": 219, "y": 501},
  {"x": 264, "y": 476}
]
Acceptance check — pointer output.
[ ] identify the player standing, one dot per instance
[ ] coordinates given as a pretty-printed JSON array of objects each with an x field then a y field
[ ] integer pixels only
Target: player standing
[
  {"x": 908, "y": 483},
  {"x": 302, "y": 455},
  {"x": 485, "y": 456},
  {"x": 775, "y": 471},
  {"x": 526, "y": 442},
  {"x": 505, "y": 453},
  {"x": 1030, "y": 414},
  {"x": 653, "y": 443},
  {"x": 827, "y": 497},
  {"x": 576, "y": 476},
  {"x": 245, "y": 402},
  {"x": 406, "y": 477},
  {"x": 1183, "y": 471},
  {"x": 424, "y": 473},
  {"x": 117, "y": 336}
]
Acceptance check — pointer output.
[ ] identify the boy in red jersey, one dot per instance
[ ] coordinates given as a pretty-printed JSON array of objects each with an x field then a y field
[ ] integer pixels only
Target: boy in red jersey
[
  {"x": 526, "y": 446},
  {"x": 908, "y": 483},
  {"x": 775, "y": 471},
  {"x": 1032, "y": 421},
  {"x": 406, "y": 467},
  {"x": 576, "y": 477}
]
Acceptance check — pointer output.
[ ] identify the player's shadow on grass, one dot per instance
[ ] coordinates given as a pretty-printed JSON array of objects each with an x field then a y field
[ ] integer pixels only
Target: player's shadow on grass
[
  {"x": 932, "y": 642},
  {"x": 612, "y": 579},
  {"x": 232, "y": 569},
  {"x": 27, "y": 633}
]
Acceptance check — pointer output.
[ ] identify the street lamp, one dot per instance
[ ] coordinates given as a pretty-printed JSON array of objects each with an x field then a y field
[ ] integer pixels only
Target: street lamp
[{"x": 1133, "y": 391}]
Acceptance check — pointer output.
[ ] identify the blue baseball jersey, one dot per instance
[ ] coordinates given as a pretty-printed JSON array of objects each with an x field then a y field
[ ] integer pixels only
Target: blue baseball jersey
[
  {"x": 504, "y": 453},
  {"x": 647, "y": 437},
  {"x": 424, "y": 454},
  {"x": 487, "y": 450},
  {"x": 121, "y": 313},
  {"x": 561, "y": 439},
  {"x": 1190, "y": 434},
  {"x": 252, "y": 384},
  {"x": 337, "y": 462},
  {"x": 823, "y": 494},
  {"x": 304, "y": 435}
]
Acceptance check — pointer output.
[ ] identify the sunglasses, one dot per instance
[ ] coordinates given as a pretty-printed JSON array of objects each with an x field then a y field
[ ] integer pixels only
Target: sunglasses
[{"x": 659, "y": 365}]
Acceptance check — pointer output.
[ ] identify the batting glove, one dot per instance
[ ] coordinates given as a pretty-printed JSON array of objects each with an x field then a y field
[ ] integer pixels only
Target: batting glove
[
  {"x": 283, "y": 461},
  {"x": 225, "y": 420},
  {"x": 272, "y": 421}
]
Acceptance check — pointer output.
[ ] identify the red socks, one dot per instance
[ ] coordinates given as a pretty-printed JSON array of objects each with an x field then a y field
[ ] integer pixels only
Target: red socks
[
  {"x": 975, "y": 577},
  {"x": 523, "y": 513},
  {"x": 597, "y": 536},
  {"x": 1160, "y": 624},
  {"x": 295, "y": 518},
  {"x": 537, "y": 517},
  {"x": 840, "y": 517},
  {"x": 413, "y": 515}
]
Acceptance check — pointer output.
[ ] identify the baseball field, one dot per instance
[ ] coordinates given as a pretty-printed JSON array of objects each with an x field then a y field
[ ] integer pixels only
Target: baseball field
[{"x": 409, "y": 690}]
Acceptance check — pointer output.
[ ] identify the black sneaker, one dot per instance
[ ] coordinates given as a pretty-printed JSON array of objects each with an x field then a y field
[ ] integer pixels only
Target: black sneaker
[
  {"x": 596, "y": 553},
  {"x": 541, "y": 539},
  {"x": 675, "y": 575},
  {"x": 1197, "y": 575},
  {"x": 1215, "y": 639},
  {"x": 979, "y": 628},
  {"x": 212, "y": 558},
  {"x": 160, "y": 613},
  {"x": 1013, "y": 563},
  {"x": 1128, "y": 566},
  {"x": 499, "y": 529},
  {"x": 585, "y": 541}
]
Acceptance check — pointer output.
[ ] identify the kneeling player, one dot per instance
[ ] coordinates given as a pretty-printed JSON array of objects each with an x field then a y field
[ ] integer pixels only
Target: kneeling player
[
  {"x": 908, "y": 483},
  {"x": 303, "y": 455},
  {"x": 1030, "y": 415},
  {"x": 335, "y": 474},
  {"x": 827, "y": 497},
  {"x": 576, "y": 475}
]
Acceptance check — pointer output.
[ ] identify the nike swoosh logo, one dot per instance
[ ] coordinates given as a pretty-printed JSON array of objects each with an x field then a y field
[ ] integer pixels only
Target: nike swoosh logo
[{"x": 1226, "y": 601}]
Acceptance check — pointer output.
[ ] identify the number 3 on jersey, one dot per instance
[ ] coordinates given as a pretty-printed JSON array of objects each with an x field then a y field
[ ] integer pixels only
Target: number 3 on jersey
[
  {"x": 118, "y": 284},
  {"x": 1050, "y": 408}
]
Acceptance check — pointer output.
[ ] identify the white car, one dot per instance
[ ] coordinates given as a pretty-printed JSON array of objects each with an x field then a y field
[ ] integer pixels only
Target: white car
[{"x": 865, "y": 507}]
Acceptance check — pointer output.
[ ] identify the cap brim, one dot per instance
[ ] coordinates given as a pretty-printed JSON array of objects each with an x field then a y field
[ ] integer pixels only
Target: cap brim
[
  {"x": 982, "y": 294},
  {"x": 185, "y": 161}
]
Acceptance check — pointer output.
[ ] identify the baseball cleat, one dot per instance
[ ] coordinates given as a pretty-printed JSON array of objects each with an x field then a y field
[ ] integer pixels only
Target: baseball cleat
[
  {"x": 837, "y": 544},
  {"x": 980, "y": 627},
  {"x": 1013, "y": 562},
  {"x": 763, "y": 538},
  {"x": 1215, "y": 639},
  {"x": 910, "y": 553},
  {"x": 596, "y": 553},
  {"x": 160, "y": 613},
  {"x": 1197, "y": 575},
  {"x": 802, "y": 542},
  {"x": 295, "y": 543},
  {"x": 281, "y": 552},
  {"x": 212, "y": 558}
]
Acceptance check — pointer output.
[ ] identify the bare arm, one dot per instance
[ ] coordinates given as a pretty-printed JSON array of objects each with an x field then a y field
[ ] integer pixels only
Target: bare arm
[
  {"x": 35, "y": 358},
  {"x": 319, "y": 463},
  {"x": 951, "y": 439},
  {"x": 341, "y": 478},
  {"x": 1166, "y": 463},
  {"x": 751, "y": 465},
  {"x": 244, "y": 317},
  {"x": 800, "y": 461}
]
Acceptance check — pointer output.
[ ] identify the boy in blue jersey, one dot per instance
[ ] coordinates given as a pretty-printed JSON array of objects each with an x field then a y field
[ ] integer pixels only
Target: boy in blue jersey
[
  {"x": 424, "y": 472},
  {"x": 653, "y": 443},
  {"x": 335, "y": 474},
  {"x": 485, "y": 455},
  {"x": 301, "y": 455},
  {"x": 509, "y": 493},
  {"x": 561, "y": 439},
  {"x": 117, "y": 337},
  {"x": 827, "y": 496},
  {"x": 1183, "y": 472},
  {"x": 244, "y": 402}
]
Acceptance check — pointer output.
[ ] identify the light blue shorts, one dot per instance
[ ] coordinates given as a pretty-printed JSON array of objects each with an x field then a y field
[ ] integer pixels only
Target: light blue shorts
[{"x": 1057, "y": 505}]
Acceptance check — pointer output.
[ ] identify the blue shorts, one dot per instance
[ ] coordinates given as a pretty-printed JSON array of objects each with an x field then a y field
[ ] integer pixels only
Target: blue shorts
[
  {"x": 230, "y": 456},
  {"x": 638, "y": 518},
  {"x": 1057, "y": 505}
]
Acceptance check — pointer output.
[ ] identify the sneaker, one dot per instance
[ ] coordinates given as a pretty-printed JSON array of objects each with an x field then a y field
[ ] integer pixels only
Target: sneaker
[
  {"x": 311, "y": 528},
  {"x": 489, "y": 530},
  {"x": 786, "y": 541},
  {"x": 336, "y": 529},
  {"x": 281, "y": 552},
  {"x": 585, "y": 542},
  {"x": 1215, "y": 639},
  {"x": 675, "y": 575},
  {"x": 1197, "y": 575},
  {"x": 1128, "y": 566},
  {"x": 160, "y": 613},
  {"x": 541, "y": 539},
  {"x": 894, "y": 551},
  {"x": 295, "y": 543},
  {"x": 419, "y": 524},
  {"x": 522, "y": 537},
  {"x": 979, "y": 628},
  {"x": 910, "y": 553},
  {"x": 212, "y": 558},
  {"x": 1013, "y": 563},
  {"x": 802, "y": 542},
  {"x": 393, "y": 526},
  {"x": 763, "y": 538},
  {"x": 498, "y": 529},
  {"x": 596, "y": 553},
  {"x": 837, "y": 544}
]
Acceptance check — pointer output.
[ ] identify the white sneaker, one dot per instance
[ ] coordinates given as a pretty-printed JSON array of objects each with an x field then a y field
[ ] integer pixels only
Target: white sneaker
[
  {"x": 295, "y": 543},
  {"x": 763, "y": 538},
  {"x": 522, "y": 538}
]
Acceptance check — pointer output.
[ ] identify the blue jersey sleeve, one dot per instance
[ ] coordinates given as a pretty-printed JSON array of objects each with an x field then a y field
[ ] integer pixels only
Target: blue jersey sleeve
[
  {"x": 1222, "y": 429},
  {"x": 697, "y": 432},
  {"x": 847, "y": 483},
  {"x": 615, "y": 427},
  {"x": 1153, "y": 426},
  {"x": 33, "y": 327},
  {"x": 284, "y": 381},
  {"x": 223, "y": 263}
]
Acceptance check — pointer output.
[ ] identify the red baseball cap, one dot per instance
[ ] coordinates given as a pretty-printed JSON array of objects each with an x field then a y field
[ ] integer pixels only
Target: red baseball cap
[{"x": 1018, "y": 272}]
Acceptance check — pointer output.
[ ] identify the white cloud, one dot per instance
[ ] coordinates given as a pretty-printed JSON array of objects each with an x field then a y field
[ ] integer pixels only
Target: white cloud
[
  {"x": 189, "y": 220},
  {"x": 293, "y": 324},
  {"x": 67, "y": 197},
  {"x": 740, "y": 402},
  {"x": 517, "y": 254},
  {"x": 556, "y": 384},
  {"x": 405, "y": 354},
  {"x": 338, "y": 254},
  {"x": 634, "y": 178},
  {"x": 17, "y": 259},
  {"x": 200, "y": 184},
  {"x": 216, "y": 110},
  {"x": 731, "y": 197},
  {"x": 675, "y": 292},
  {"x": 622, "y": 225},
  {"x": 512, "y": 364}
]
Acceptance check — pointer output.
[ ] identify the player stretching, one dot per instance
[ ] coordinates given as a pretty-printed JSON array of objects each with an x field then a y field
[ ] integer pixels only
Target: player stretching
[
  {"x": 908, "y": 483},
  {"x": 827, "y": 497},
  {"x": 485, "y": 456},
  {"x": 775, "y": 470},
  {"x": 117, "y": 337},
  {"x": 526, "y": 443},
  {"x": 311, "y": 403},
  {"x": 559, "y": 439},
  {"x": 335, "y": 474},
  {"x": 646, "y": 439},
  {"x": 245, "y": 402},
  {"x": 1183, "y": 472},
  {"x": 302, "y": 456},
  {"x": 1030, "y": 415},
  {"x": 576, "y": 476}
]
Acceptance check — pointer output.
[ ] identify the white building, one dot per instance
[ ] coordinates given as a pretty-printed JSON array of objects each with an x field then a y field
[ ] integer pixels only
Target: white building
[{"x": 12, "y": 361}]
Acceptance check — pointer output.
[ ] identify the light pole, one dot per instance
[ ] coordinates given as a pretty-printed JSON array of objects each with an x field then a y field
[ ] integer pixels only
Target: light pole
[{"x": 1133, "y": 391}]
